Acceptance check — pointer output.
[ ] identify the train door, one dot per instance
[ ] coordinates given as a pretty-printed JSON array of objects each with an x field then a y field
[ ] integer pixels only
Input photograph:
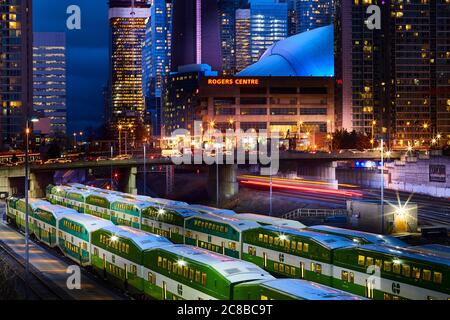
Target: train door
[
  {"x": 265, "y": 259},
  {"x": 164, "y": 289},
  {"x": 223, "y": 247},
  {"x": 302, "y": 270},
  {"x": 369, "y": 289}
]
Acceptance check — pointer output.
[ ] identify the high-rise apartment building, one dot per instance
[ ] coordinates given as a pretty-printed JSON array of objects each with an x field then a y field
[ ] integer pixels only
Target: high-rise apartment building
[
  {"x": 312, "y": 14},
  {"x": 15, "y": 70},
  {"x": 128, "y": 21},
  {"x": 268, "y": 24},
  {"x": 227, "y": 15},
  {"x": 49, "y": 79},
  {"x": 393, "y": 82}
]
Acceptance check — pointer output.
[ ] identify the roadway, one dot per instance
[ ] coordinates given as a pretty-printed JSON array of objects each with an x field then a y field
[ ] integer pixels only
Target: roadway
[
  {"x": 54, "y": 267},
  {"x": 431, "y": 211}
]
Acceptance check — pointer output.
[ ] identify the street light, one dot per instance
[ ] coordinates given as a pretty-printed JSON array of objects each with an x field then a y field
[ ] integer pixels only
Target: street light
[
  {"x": 120, "y": 139},
  {"x": 27, "y": 245}
]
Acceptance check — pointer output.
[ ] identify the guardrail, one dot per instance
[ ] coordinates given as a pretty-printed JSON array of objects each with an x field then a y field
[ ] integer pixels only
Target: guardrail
[{"x": 315, "y": 213}]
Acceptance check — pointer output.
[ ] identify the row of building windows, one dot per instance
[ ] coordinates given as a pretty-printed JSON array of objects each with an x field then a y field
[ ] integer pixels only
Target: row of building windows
[
  {"x": 403, "y": 269},
  {"x": 117, "y": 244},
  {"x": 287, "y": 244},
  {"x": 183, "y": 271}
]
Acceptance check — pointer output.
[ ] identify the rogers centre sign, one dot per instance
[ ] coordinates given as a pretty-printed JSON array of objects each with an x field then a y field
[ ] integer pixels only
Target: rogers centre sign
[{"x": 232, "y": 81}]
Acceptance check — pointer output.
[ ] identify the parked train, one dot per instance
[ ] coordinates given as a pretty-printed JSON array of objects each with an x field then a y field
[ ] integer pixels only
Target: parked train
[
  {"x": 148, "y": 265},
  {"x": 374, "y": 266}
]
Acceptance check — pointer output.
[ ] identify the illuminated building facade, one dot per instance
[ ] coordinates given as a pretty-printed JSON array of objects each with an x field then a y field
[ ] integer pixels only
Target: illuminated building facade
[
  {"x": 156, "y": 58},
  {"x": 49, "y": 79},
  {"x": 393, "y": 82},
  {"x": 313, "y": 14},
  {"x": 128, "y": 26},
  {"x": 243, "y": 48},
  {"x": 268, "y": 24},
  {"x": 182, "y": 104},
  {"x": 15, "y": 70},
  {"x": 227, "y": 15}
]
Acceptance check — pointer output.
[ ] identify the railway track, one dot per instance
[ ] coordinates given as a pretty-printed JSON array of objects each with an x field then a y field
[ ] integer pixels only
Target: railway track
[{"x": 39, "y": 287}]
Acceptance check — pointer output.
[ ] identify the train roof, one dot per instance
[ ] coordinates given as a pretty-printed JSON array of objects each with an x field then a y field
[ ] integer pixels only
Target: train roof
[
  {"x": 327, "y": 240},
  {"x": 234, "y": 221},
  {"x": 141, "y": 239},
  {"x": 309, "y": 290},
  {"x": 91, "y": 223},
  {"x": 409, "y": 253},
  {"x": 207, "y": 209},
  {"x": 233, "y": 269},
  {"x": 438, "y": 249},
  {"x": 271, "y": 220},
  {"x": 57, "y": 211},
  {"x": 370, "y": 237}
]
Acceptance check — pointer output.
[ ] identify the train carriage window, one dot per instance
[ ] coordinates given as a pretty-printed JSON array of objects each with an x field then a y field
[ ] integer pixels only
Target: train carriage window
[
  {"x": 180, "y": 271},
  {"x": 318, "y": 268},
  {"x": 299, "y": 246},
  {"x": 426, "y": 275},
  {"x": 164, "y": 264},
  {"x": 361, "y": 260},
  {"x": 204, "y": 279},
  {"x": 185, "y": 271},
  {"x": 287, "y": 269},
  {"x": 387, "y": 266},
  {"x": 263, "y": 297},
  {"x": 281, "y": 268},
  {"x": 151, "y": 278},
  {"x": 85, "y": 246},
  {"x": 191, "y": 274},
  {"x": 396, "y": 268},
  {"x": 378, "y": 263},
  {"x": 293, "y": 245},
  {"x": 159, "y": 261},
  {"x": 312, "y": 266},
  {"x": 293, "y": 271},
  {"x": 369, "y": 261},
  {"x": 352, "y": 277},
  {"x": 276, "y": 241},
  {"x": 416, "y": 273},
  {"x": 344, "y": 275},
  {"x": 406, "y": 270},
  {"x": 305, "y": 247},
  {"x": 260, "y": 237},
  {"x": 169, "y": 265},
  {"x": 288, "y": 244},
  {"x": 275, "y": 266},
  {"x": 266, "y": 238},
  {"x": 281, "y": 243},
  {"x": 270, "y": 240},
  {"x": 197, "y": 276},
  {"x": 437, "y": 277}
]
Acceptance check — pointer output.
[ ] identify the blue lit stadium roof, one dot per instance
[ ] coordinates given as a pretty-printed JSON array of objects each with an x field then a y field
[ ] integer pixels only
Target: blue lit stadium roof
[{"x": 310, "y": 53}]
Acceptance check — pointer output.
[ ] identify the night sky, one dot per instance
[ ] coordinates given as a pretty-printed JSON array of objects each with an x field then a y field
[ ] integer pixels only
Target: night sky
[{"x": 87, "y": 56}]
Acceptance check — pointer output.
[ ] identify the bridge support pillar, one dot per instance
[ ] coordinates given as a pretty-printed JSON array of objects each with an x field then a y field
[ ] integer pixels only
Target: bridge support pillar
[
  {"x": 323, "y": 171},
  {"x": 38, "y": 183},
  {"x": 170, "y": 179},
  {"x": 131, "y": 183},
  {"x": 228, "y": 184}
]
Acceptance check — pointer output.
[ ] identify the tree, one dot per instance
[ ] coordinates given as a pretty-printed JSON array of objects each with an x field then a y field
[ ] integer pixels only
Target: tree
[{"x": 342, "y": 139}]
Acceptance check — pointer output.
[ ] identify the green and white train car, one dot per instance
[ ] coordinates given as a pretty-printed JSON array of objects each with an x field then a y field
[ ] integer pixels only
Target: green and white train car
[
  {"x": 75, "y": 235},
  {"x": 290, "y": 289},
  {"x": 359, "y": 236},
  {"x": 398, "y": 273},
  {"x": 15, "y": 212},
  {"x": 294, "y": 253},
  {"x": 272, "y": 221},
  {"x": 118, "y": 253},
  {"x": 190, "y": 273},
  {"x": 219, "y": 234}
]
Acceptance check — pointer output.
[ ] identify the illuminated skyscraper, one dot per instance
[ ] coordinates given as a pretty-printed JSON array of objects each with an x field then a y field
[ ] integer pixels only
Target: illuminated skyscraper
[
  {"x": 313, "y": 14},
  {"x": 15, "y": 70},
  {"x": 196, "y": 34},
  {"x": 128, "y": 19},
  {"x": 227, "y": 14},
  {"x": 156, "y": 55},
  {"x": 268, "y": 24},
  {"x": 243, "y": 50},
  {"x": 49, "y": 78}
]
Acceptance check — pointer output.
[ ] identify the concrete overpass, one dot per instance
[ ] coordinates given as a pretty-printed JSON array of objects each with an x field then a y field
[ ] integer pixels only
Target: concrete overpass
[{"x": 320, "y": 165}]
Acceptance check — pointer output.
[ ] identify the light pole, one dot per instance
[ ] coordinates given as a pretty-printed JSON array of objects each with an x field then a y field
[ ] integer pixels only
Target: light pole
[
  {"x": 382, "y": 187},
  {"x": 112, "y": 156},
  {"x": 270, "y": 191},
  {"x": 145, "y": 170},
  {"x": 120, "y": 139},
  {"x": 27, "y": 245},
  {"x": 372, "y": 140},
  {"x": 75, "y": 140}
]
